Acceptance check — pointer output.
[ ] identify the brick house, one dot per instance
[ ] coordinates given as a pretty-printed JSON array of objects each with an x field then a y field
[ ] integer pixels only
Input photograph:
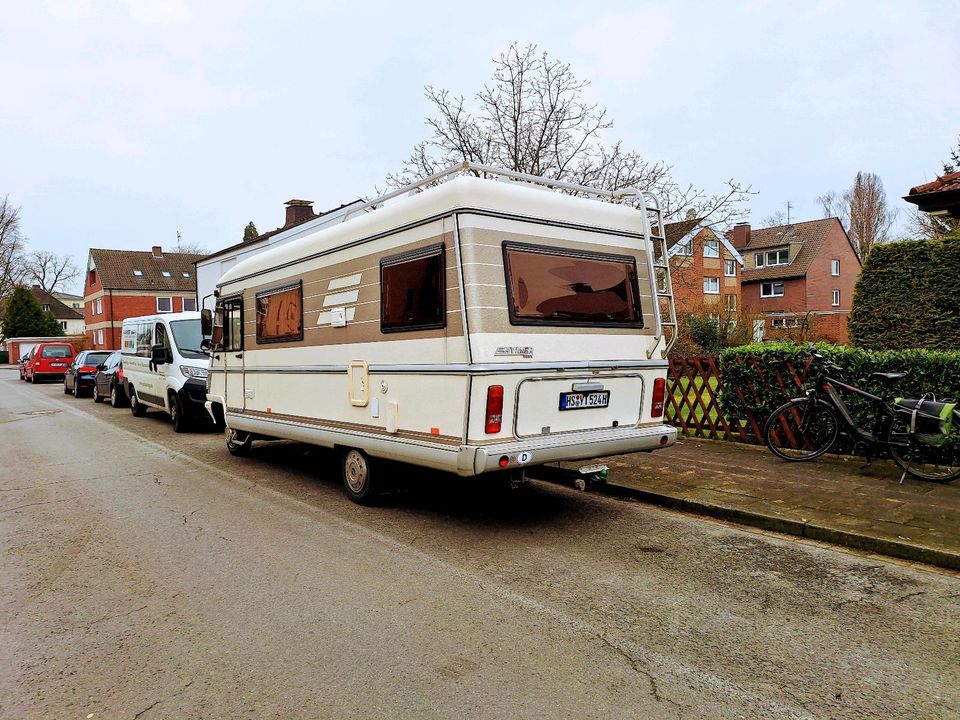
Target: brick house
[
  {"x": 798, "y": 277},
  {"x": 127, "y": 283},
  {"x": 705, "y": 269}
]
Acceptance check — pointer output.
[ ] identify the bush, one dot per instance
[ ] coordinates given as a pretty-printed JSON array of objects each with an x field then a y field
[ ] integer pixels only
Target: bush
[
  {"x": 906, "y": 296},
  {"x": 4, "y": 357},
  {"x": 754, "y": 369}
]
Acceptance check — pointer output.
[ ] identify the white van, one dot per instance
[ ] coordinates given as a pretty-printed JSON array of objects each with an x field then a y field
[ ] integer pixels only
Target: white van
[
  {"x": 474, "y": 327},
  {"x": 164, "y": 366}
]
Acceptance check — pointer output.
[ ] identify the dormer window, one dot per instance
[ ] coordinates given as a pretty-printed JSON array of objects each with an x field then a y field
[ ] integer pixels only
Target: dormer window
[
  {"x": 165, "y": 273},
  {"x": 46, "y": 308},
  {"x": 772, "y": 257},
  {"x": 185, "y": 274},
  {"x": 138, "y": 273}
]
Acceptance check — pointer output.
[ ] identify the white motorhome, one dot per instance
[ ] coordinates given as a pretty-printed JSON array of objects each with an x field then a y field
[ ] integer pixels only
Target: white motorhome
[
  {"x": 164, "y": 366},
  {"x": 472, "y": 326}
]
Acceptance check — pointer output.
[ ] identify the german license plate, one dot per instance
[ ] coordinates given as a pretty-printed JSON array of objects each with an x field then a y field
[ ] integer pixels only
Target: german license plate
[
  {"x": 58, "y": 364},
  {"x": 584, "y": 400}
]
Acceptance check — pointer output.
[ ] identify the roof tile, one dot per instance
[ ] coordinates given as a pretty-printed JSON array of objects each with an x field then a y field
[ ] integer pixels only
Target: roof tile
[{"x": 116, "y": 267}]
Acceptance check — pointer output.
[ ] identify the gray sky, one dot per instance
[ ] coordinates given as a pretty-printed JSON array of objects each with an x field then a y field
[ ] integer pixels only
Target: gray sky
[{"x": 122, "y": 121}]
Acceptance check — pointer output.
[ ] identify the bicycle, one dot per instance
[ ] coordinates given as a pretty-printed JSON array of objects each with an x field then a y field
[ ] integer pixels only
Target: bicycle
[{"x": 807, "y": 427}]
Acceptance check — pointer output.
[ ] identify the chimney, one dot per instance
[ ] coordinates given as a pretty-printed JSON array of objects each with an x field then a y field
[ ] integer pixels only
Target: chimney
[
  {"x": 298, "y": 211},
  {"x": 741, "y": 235},
  {"x": 157, "y": 251}
]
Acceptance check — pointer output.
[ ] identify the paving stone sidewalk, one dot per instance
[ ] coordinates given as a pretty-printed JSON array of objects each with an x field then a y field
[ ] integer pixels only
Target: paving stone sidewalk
[{"x": 832, "y": 500}]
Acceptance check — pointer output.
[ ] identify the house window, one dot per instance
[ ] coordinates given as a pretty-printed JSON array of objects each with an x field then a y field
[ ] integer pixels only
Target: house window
[
  {"x": 138, "y": 273},
  {"x": 771, "y": 289},
  {"x": 164, "y": 304},
  {"x": 834, "y": 267},
  {"x": 758, "y": 260},
  {"x": 98, "y": 306},
  {"x": 280, "y": 314},
  {"x": 63, "y": 325},
  {"x": 835, "y": 298},
  {"x": 189, "y": 304},
  {"x": 714, "y": 318},
  {"x": 772, "y": 257},
  {"x": 684, "y": 247},
  {"x": 730, "y": 268},
  {"x": 98, "y": 337},
  {"x": 165, "y": 273},
  {"x": 730, "y": 302},
  {"x": 412, "y": 294},
  {"x": 711, "y": 285},
  {"x": 711, "y": 248},
  {"x": 46, "y": 308}
]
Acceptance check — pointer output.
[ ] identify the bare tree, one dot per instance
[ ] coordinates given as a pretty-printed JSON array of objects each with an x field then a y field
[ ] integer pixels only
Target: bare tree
[
  {"x": 863, "y": 212},
  {"x": 774, "y": 219},
  {"x": 12, "y": 245},
  {"x": 52, "y": 272},
  {"x": 190, "y": 247},
  {"x": 533, "y": 118},
  {"x": 924, "y": 226}
]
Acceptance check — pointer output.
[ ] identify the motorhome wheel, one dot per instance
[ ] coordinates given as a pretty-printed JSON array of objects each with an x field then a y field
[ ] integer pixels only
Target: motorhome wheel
[
  {"x": 239, "y": 443},
  {"x": 359, "y": 476}
]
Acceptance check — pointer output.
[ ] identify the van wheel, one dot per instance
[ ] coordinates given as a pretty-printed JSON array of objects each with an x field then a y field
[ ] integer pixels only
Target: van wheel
[
  {"x": 360, "y": 477},
  {"x": 239, "y": 443},
  {"x": 136, "y": 407},
  {"x": 177, "y": 416}
]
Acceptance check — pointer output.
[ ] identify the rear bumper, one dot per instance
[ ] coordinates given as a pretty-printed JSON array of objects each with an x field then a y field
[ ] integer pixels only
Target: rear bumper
[
  {"x": 58, "y": 375},
  {"x": 85, "y": 380},
  {"x": 474, "y": 460}
]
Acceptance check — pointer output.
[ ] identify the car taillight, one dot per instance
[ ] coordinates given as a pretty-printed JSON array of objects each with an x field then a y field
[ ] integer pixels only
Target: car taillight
[
  {"x": 119, "y": 373},
  {"x": 494, "y": 409},
  {"x": 659, "y": 390},
  {"x": 88, "y": 369}
]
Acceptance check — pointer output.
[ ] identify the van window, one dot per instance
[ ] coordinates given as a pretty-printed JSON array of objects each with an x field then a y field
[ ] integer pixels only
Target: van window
[
  {"x": 549, "y": 286},
  {"x": 160, "y": 335},
  {"x": 144, "y": 339},
  {"x": 188, "y": 336},
  {"x": 280, "y": 314},
  {"x": 412, "y": 294}
]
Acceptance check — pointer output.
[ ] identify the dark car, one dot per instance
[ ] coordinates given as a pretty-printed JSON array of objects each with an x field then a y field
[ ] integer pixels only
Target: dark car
[
  {"x": 48, "y": 360},
  {"x": 78, "y": 379},
  {"x": 108, "y": 382}
]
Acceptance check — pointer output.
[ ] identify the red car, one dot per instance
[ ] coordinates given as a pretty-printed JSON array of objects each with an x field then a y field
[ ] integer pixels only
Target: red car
[{"x": 48, "y": 360}]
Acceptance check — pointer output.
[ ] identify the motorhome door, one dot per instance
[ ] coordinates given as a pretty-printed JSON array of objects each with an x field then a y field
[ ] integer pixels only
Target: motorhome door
[{"x": 231, "y": 354}]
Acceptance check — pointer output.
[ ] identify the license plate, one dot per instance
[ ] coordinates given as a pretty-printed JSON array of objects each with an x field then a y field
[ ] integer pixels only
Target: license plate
[
  {"x": 58, "y": 364},
  {"x": 584, "y": 400}
]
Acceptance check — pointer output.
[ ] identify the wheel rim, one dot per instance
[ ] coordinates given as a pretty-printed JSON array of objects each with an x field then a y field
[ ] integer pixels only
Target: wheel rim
[
  {"x": 113, "y": 396},
  {"x": 356, "y": 471},
  {"x": 96, "y": 393},
  {"x": 801, "y": 431},
  {"x": 925, "y": 462}
]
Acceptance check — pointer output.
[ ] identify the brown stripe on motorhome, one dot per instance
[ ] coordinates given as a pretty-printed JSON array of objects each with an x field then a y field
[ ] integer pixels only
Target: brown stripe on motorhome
[
  {"x": 365, "y": 326},
  {"x": 485, "y": 285}
]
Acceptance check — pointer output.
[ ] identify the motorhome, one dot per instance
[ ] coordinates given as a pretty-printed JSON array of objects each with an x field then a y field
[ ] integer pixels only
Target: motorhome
[
  {"x": 461, "y": 323},
  {"x": 164, "y": 366}
]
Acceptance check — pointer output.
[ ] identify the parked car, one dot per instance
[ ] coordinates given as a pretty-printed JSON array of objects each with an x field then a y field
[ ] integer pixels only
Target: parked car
[
  {"x": 108, "y": 382},
  {"x": 22, "y": 365},
  {"x": 78, "y": 379},
  {"x": 48, "y": 360}
]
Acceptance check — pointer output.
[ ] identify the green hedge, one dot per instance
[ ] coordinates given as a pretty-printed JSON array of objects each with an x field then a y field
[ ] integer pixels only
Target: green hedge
[
  {"x": 928, "y": 371},
  {"x": 4, "y": 357},
  {"x": 907, "y": 297}
]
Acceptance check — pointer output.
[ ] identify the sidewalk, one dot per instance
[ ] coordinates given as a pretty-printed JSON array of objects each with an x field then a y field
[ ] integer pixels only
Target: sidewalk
[{"x": 832, "y": 500}]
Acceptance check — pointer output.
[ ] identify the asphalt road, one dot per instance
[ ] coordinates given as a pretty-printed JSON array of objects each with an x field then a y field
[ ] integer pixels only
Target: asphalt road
[{"x": 151, "y": 575}]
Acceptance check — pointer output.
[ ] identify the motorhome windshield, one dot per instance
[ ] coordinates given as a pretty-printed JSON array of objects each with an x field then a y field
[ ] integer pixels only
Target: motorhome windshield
[
  {"x": 549, "y": 286},
  {"x": 187, "y": 336}
]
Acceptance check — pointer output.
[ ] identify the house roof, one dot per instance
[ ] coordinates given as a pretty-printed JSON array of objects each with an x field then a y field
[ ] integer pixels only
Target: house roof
[
  {"x": 809, "y": 234},
  {"x": 941, "y": 195},
  {"x": 115, "y": 268},
  {"x": 678, "y": 232},
  {"x": 950, "y": 181},
  {"x": 59, "y": 310}
]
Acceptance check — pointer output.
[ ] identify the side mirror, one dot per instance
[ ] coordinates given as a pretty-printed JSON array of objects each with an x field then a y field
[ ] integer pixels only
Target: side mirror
[
  {"x": 158, "y": 354},
  {"x": 205, "y": 344},
  {"x": 206, "y": 322}
]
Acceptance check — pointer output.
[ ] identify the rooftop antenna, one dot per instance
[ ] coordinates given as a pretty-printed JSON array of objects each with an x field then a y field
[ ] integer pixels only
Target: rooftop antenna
[
  {"x": 178, "y": 239},
  {"x": 789, "y": 207}
]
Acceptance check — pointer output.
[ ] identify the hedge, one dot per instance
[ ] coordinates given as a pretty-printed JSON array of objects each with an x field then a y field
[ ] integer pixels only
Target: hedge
[
  {"x": 907, "y": 297},
  {"x": 754, "y": 366}
]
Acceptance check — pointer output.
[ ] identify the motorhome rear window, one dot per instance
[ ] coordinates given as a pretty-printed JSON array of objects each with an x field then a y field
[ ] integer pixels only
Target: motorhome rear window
[
  {"x": 412, "y": 293},
  {"x": 280, "y": 314},
  {"x": 550, "y": 286}
]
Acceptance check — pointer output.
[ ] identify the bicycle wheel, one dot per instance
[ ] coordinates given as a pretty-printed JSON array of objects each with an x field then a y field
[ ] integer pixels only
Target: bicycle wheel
[
  {"x": 926, "y": 462},
  {"x": 801, "y": 430}
]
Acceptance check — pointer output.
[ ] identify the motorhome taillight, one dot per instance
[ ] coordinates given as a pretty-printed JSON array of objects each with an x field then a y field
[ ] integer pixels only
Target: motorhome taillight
[
  {"x": 494, "y": 409},
  {"x": 659, "y": 390}
]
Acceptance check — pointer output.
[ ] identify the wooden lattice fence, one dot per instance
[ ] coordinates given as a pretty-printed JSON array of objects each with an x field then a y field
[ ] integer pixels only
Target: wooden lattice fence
[{"x": 693, "y": 406}]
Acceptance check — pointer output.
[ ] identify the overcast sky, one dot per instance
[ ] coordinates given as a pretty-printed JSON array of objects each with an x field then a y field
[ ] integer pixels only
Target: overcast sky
[{"x": 124, "y": 121}]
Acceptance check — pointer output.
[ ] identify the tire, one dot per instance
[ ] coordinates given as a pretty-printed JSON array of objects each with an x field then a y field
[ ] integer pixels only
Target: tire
[
  {"x": 925, "y": 462},
  {"x": 136, "y": 407},
  {"x": 115, "y": 400},
  {"x": 178, "y": 418},
  {"x": 360, "y": 476},
  {"x": 66, "y": 390},
  {"x": 33, "y": 378},
  {"x": 799, "y": 430},
  {"x": 97, "y": 397},
  {"x": 239, "y": 443}
]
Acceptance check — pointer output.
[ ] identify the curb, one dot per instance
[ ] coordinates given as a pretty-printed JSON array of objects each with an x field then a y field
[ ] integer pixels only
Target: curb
[{"x": 822, "y": 533}]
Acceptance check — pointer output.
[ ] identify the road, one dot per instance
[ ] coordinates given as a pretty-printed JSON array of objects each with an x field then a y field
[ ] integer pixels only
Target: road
[{"x": 148, "y": 575}]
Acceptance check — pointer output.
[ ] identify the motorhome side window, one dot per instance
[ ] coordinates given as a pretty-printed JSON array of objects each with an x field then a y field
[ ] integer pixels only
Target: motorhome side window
[
  {"x": 230, "y": 326},
  {"x": 412, "y": 292},
  {"x": 547, "y": 286},
  {"x": 280, "y": 314}
]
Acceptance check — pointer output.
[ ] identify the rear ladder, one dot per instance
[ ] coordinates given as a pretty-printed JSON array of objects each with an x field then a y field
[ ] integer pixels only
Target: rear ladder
[{"x": 665, "y": 310}]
